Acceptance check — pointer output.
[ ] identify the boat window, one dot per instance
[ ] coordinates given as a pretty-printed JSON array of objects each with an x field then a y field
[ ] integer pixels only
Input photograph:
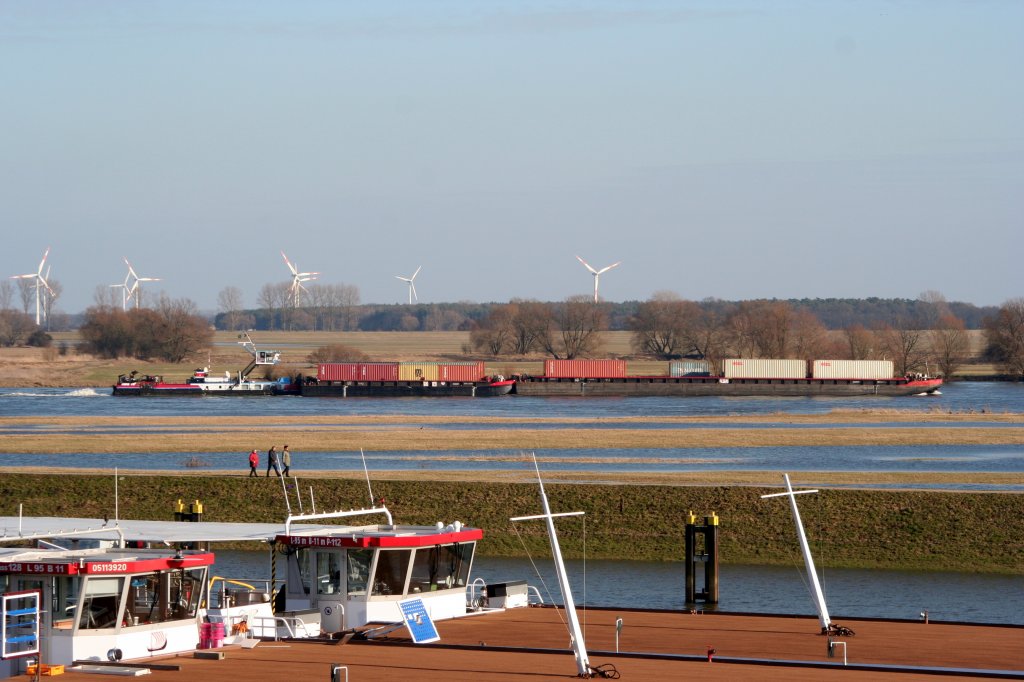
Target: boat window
[
  {"x": 392, "y": 567},
  {"x": 65, "y": 601},
  {"x": 302, "y": 559},
  {"x": 440, "y": 567},
  {"x": 186, "y": 588},
  {"x": 358, "y": 570},
  {"x": 454, "y": 562},
  {"x": 101, "y": 603},
  {"x": 143, "y": 603},
  {"x": 424, "y": 576},
  {"x": 328, "y": 572}
]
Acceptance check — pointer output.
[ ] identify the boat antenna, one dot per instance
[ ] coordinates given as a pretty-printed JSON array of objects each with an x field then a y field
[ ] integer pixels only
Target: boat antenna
[
  {"x": 117, "y": 514},
  {"x": 298, "y": 493},
  {"x": 366, "y": 472},
  {"x": 312, "y": 502},
  {"x": 812, "y": 575},
  {"x": 284, "y": 489},
  {"x": 579, "y": 647}
]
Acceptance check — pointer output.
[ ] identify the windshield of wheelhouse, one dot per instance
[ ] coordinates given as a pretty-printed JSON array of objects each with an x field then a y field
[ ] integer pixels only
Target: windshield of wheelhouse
[
  {"x": 100, "y": 603},
  {"x": 392, "y": 569},
  {"x": 441, "y": 567}
]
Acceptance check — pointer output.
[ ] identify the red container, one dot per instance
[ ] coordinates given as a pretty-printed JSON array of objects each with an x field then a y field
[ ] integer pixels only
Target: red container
[
  {"x": 378, "y": 371},
  {"x": 338, "y": 371},
  {"x": 585, "y": 369},
  {"x": 461, "y": 372}
]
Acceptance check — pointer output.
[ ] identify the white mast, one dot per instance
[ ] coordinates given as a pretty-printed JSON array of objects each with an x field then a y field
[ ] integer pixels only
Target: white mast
[
  {"x": 812, "y": 574},
  {"x": 579, "y": 647}
]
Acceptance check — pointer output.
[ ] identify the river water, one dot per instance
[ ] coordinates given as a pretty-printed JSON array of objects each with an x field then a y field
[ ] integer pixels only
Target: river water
[{"x": 851, "y": 593}]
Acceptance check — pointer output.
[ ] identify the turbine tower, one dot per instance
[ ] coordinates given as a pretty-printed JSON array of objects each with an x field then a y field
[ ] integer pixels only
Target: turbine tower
[
  {"x": 40, "y": 284},
  {"x": 125, "y": 290},
  {"x": 135, "y": 290},
  {"x": 597, "y": 273},
  {"x": 297, "y": 279},
  {"x": 412, "y": 284}
]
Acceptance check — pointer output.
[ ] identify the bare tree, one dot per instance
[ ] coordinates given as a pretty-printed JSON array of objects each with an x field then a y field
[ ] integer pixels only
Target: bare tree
[
  {"x": 15, "y": 327},
  {"x": 664, "y": 326},
  {"x": 185, "y": 331},
  {"x": 860, "y": 342},
  {"x": 578, "y": 323},
  {"x": 950, "y": 344},
  {"x": 230, "y": 302},
  {"x": 6, "y": 294},
  {"x": 808, "y": 337},
  {"x": 273, "y": 298},
  {"x": 907, "y": 344},
  {"x": 494, "y": 333},
  {"x": 1004, "y": 337},
  {"x": 934, "y": 307},
  {"x": 106, "y": 296},
  {"x": 531, "y": 326},
  {"x": 27, "y": 292}
]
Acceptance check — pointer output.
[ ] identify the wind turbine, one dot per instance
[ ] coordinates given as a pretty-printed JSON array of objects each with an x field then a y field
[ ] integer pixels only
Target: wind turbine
[
  {"x": 125, "y": 290},
  {"x": 135, "y": 290},
  {"x": 412, "y": 284},
  {"x": 297, "y": 279},
  {"x": 597, "y": 273},
  {"x": 40, "y": 284}
]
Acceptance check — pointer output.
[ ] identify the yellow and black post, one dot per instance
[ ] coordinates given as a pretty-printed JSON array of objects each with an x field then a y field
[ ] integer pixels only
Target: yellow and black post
[{"x": 701, "y": 548}]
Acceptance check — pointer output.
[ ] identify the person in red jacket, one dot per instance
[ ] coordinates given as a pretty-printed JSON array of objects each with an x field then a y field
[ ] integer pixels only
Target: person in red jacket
[{"x": 254, "y": 461}]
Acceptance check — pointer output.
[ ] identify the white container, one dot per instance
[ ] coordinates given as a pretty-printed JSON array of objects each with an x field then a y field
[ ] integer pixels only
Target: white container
[
  {"x": 852, "y": 369},
  {"x": 689, "y": 368},
  {"x": 764, "y": 369}
]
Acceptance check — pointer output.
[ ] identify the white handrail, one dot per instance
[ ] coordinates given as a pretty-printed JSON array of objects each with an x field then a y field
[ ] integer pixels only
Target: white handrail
[{"x": 335, "y": 515}]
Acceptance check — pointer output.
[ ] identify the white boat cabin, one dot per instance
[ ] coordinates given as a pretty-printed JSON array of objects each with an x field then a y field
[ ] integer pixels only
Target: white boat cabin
[
  {"x": 357, "y": 575},
  {"x": 99, "y": 603}
]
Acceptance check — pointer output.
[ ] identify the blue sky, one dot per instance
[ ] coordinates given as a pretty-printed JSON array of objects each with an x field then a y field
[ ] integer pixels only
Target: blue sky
[{"x": 727, "y": 149}]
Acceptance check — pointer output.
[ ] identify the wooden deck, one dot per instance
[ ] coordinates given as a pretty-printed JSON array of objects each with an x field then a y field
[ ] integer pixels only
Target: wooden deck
[{"x": 533, "y": 644}]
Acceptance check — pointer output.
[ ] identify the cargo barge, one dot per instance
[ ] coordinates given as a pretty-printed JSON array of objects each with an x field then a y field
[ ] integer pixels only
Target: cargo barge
[
  {"x": 404, "y": 379},
  {"x": 739, "y": 377}
]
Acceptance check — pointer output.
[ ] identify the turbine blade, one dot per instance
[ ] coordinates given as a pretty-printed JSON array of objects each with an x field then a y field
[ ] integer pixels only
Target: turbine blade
[
  {"x": 45, "y": 254},
  {"x": 289, "y": 264},
  {"x": 413, "y": 285},
  {"x": 416, "y": 273},
  {"x": 586, "y": 265},
  {"x": 604, "y": 270}
]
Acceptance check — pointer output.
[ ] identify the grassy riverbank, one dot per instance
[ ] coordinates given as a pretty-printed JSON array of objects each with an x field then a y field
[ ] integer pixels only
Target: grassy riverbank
[{"x": 848, "y": 528}]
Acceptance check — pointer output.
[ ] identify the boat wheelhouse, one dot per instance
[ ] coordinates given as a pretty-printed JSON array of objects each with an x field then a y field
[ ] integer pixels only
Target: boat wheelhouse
[
  {"x": 349, "y": 577},
  {"x": 98, "y": 604}
]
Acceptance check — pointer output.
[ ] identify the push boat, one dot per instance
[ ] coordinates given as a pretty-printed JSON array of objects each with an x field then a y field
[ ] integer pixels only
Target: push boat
[{"x": 203, "y": 382}]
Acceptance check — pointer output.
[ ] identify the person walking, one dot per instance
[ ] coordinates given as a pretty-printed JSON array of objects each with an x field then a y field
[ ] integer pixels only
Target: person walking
[
  {"x": 254, "y": 461},
  {"x": 272, "y": 462},
  {"x": 286, "y": 460}
]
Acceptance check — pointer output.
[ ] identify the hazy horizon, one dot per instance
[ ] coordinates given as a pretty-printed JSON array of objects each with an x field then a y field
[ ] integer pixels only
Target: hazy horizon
[{"x": 728, "y": 149}]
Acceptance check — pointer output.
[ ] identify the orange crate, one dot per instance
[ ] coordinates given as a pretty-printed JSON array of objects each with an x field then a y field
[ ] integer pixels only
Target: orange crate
[{"x": 46, "y": 671}]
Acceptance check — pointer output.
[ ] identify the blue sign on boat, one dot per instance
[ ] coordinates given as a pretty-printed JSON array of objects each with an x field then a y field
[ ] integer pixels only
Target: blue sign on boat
[{"x": 421, "y": 628}]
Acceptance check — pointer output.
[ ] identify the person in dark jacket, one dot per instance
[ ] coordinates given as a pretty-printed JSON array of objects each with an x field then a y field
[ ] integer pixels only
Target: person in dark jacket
[{"x": 272, "y": 462}]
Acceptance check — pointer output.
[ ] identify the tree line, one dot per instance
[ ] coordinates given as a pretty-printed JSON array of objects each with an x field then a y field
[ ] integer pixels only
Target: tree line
[{"x": 934, "y": 340}]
